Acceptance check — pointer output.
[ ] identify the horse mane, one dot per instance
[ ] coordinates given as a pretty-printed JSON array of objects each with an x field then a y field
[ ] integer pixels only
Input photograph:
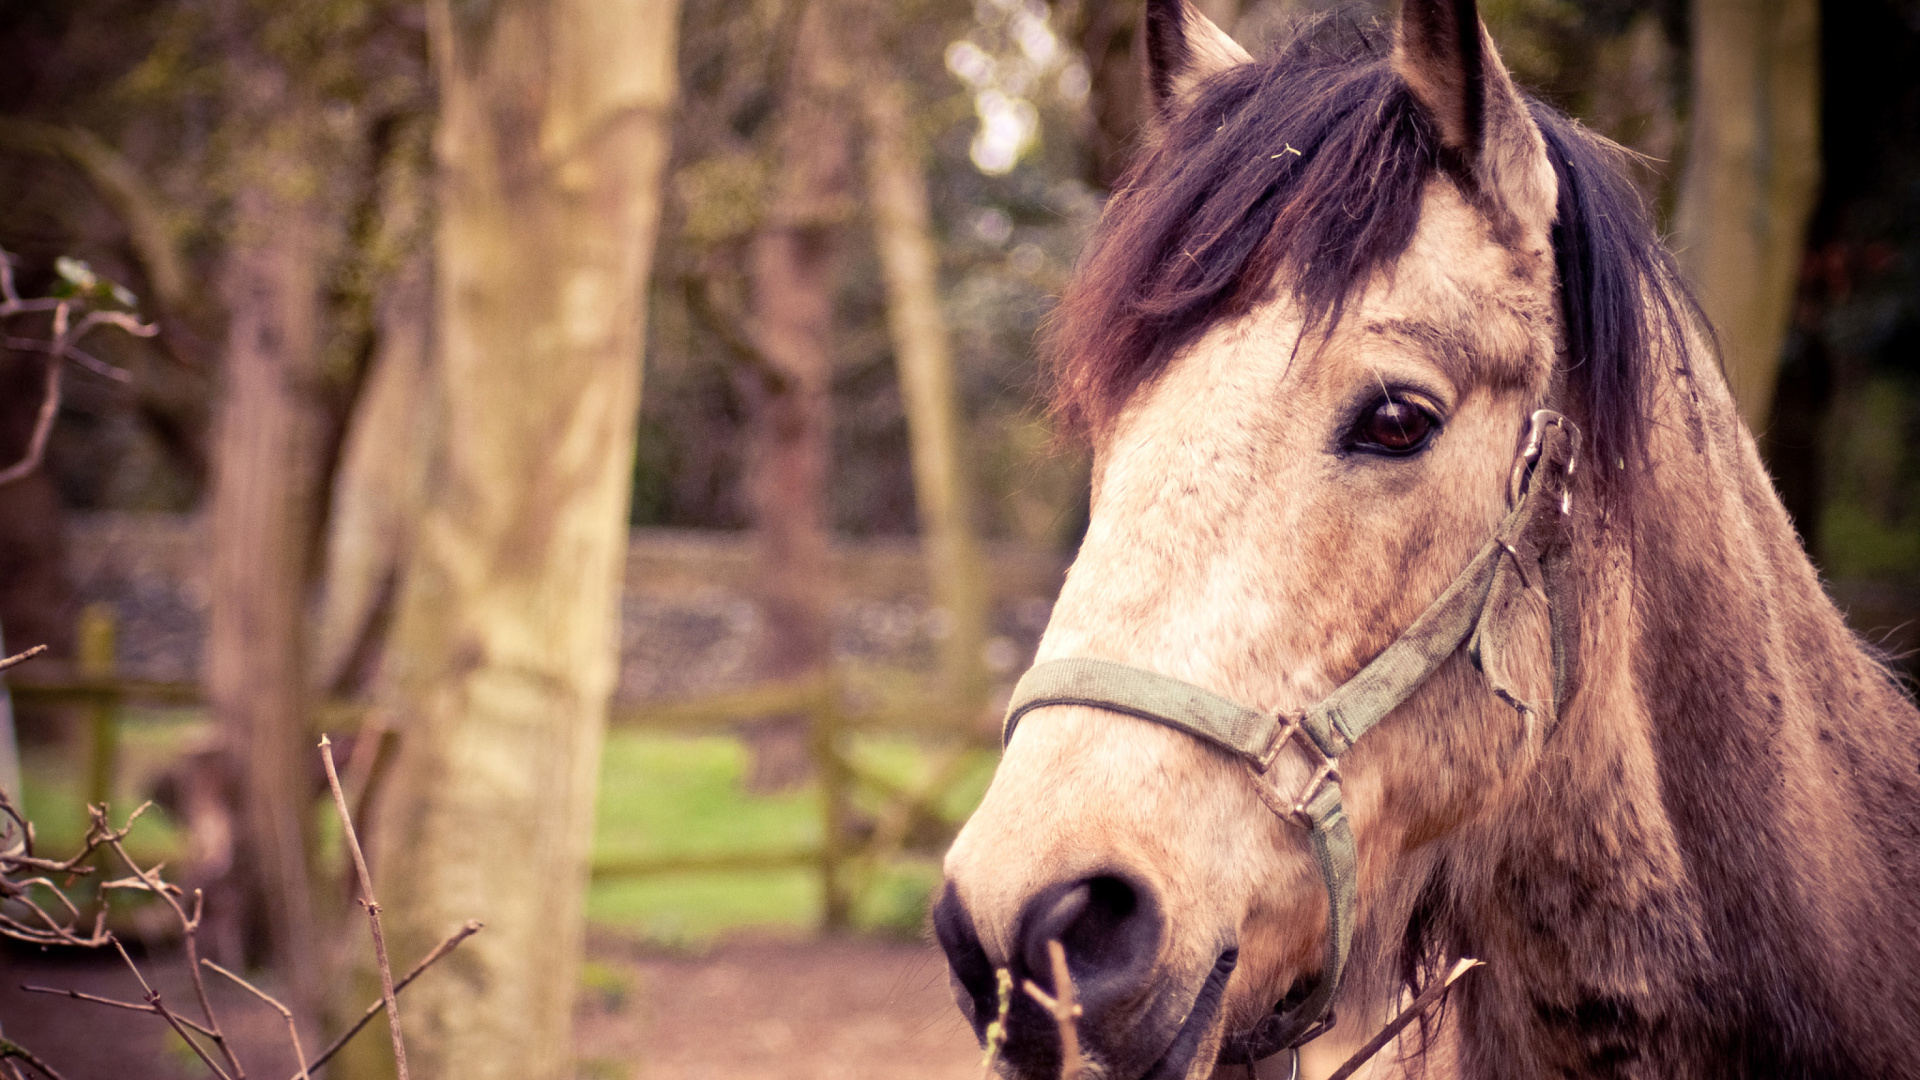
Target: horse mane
[{"x": 1313, "y": 162}]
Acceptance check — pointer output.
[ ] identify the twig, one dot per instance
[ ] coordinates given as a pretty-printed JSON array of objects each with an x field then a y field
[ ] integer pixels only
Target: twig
[
  {"x": 130, "y": 1006},
  {"x": 189, "y": 939},
  {"x": 373, "y": 910},
  {"x": 10, "y": 1049},
  {"x": 22, "y": 657},
  {"x": 42, "y": 423},
  {"x": 446, "y": 946},
  {"x": 85, "y": 359},
  {"x": 997, "y": 1030},
  {"x": 293, "y": 1032},
  {"x": 1065, "y": 1010},
  {"x": 63, "y": 346},
  {"x": 153, "y": 999},
  {"x": 1407, "y": 1015}
]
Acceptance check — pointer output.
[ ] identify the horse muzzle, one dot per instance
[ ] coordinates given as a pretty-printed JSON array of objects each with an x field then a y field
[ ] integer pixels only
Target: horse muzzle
[{"x": 1136, "y": 1023}]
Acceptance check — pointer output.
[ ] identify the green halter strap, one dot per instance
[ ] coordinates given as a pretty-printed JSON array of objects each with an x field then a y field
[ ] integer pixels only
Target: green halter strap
[{"x": 1476, "y": 610}]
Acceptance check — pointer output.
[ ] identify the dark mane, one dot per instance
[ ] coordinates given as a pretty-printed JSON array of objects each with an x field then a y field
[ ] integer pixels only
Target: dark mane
[{"x": 1314, "y": 161}]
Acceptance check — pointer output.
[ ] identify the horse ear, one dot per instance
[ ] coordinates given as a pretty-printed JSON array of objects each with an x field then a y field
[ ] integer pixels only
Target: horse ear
[
  {"x": 1184, "y": 48},
  {"x": 1440, "y": 55},
  {"x": 1449, "y": 63}
]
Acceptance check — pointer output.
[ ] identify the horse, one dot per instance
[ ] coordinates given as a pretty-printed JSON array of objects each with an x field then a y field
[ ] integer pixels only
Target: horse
[{"x": 1366, "y": 330}]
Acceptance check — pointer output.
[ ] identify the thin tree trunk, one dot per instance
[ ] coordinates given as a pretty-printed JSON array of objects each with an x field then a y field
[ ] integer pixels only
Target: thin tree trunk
[
  {"x": 1753, "y": 172},
  {"x": 1107, "y": 33},
  {"x": 378, "y": 486},
  {"x": 267, "y": 480},
  {"x": 552, "y": 140},
  {"x": 790, "y": 263},
  {"x": 897, "y": 195}
]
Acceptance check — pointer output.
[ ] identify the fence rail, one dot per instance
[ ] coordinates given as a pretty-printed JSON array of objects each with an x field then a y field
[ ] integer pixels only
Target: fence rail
[{"x": 838, "y": 702}]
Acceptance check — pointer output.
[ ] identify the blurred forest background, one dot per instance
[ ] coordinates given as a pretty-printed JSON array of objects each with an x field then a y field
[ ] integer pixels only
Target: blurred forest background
[{"x": 831, "y": 525}]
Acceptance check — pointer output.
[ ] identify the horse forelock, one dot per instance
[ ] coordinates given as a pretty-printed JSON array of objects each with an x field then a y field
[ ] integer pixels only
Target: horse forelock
[{"x": 1305, "y": 173}]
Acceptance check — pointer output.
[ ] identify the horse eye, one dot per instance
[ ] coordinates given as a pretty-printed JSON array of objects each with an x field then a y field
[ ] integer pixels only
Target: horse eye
[{"x": 1393, "y": 425}]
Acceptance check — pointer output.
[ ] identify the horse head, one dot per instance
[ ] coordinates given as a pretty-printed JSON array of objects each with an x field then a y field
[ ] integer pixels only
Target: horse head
[{"x": 1308, "y": 345}]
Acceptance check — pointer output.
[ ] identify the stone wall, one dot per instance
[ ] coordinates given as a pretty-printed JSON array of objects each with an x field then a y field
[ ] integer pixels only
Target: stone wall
[{"x": 690, "y": 623}]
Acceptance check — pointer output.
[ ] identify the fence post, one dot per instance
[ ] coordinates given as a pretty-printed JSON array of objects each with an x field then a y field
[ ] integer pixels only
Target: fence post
[
  {"x": 837, "y": 901},
  {"x": 97, "y": 631}
]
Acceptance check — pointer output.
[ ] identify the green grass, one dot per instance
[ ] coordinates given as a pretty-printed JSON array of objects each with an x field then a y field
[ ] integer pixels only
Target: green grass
[
  {"x": 663, "y": 795},
  {"x": 53, "y": 782}
]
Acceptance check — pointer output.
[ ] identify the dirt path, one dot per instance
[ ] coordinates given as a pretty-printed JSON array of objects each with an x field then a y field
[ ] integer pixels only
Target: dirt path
[
  {"x": 747, "y": 1010},
  {"x": 832, "y": 1010}
]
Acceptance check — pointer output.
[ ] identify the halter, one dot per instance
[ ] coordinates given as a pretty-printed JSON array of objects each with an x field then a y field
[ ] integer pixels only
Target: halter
[{"x": 1526, "y": 554}]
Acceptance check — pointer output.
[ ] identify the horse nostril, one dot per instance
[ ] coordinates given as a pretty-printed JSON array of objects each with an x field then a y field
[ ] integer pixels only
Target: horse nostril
[
  {"x": 1110, "y": 930},
  {"x": 976, "y": 988},
  {"x": 1051, "y": 923}
]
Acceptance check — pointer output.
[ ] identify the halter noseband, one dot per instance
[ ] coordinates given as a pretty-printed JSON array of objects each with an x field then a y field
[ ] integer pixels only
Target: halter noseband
[{"x": 1526, "y": 554}]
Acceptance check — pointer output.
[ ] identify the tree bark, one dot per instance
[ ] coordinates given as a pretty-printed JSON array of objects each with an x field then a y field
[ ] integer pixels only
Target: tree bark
[
  {"x": 267, "y": 481},
  {"x": 553, "y": 137},
  {"x": 791, "y": 263},
  {"x": 903, "y": 231},
  {"x": 378, "y": 486},
  {"x": 1753, "y": 172}
]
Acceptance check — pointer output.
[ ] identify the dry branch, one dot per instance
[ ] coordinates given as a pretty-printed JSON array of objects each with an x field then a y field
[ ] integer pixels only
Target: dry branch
[
  {"x": 1419, "y": 1005},
  {"x": 446, "y": 946},
  {"x": 189, "y": 940},
  {"x": 1064, "y": 1009},
  {"x": 63, "y": 346},
  {"x": 293, "y": 1031},
  {"x": 22, "y": 657},
  {"x": 130, "y": 1006},
  {"x": 159, "y": 1006},
  {"x": 373, "y": 910},
  {"x": 21, "y": 870},
  {"x": 9, "y": 1051}
]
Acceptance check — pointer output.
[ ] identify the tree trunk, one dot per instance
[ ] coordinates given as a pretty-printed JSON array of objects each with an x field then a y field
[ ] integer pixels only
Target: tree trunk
[
  {"x": 553, "y": 137},
  {"x": 897, "y": 196},
  {"x": 791, "y": 261},
  {"x": 378, "y": 486},
  {"x": 1753, "y": 171},
  {"x": 1107, "y": 33},
  {"x": 267, "y": 479}
]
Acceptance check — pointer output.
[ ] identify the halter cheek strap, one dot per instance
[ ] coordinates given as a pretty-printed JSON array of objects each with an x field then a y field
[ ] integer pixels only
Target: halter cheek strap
[{"x": 1526, "y": 554}]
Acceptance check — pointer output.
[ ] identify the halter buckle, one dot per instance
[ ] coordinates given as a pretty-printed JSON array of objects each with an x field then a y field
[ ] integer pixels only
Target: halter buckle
[
  {"x": 1288, "y": 728},
  {"x": 1542, "y": 426}
]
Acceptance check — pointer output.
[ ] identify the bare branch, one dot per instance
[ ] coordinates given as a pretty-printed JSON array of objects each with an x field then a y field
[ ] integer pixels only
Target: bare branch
[
  {"x": 293, "y": 1032},
  {"x": 130, "y": 1006},
  {"x": 22, "y": 657},
  {"x": 1381, "y": 1038},
  {"x": 373, "y": 910},
  {"x": 42, "y": 424},
  {"x": 447, "y": 945},
  {"x": 10, "y": 1049},
  {"x": 188, "y": 927},
  {"x": 153, "y": 999},
  {"x": 124, "y": 320},
  {"x": 1065, "y": 1010}
]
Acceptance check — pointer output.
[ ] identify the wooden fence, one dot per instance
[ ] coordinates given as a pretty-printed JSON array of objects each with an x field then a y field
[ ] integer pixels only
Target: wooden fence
[{"x": 838, "y": 702}]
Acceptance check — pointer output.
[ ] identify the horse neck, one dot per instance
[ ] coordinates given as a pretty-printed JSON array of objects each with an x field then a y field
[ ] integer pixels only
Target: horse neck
[{"x": 1724, "y": 879}]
